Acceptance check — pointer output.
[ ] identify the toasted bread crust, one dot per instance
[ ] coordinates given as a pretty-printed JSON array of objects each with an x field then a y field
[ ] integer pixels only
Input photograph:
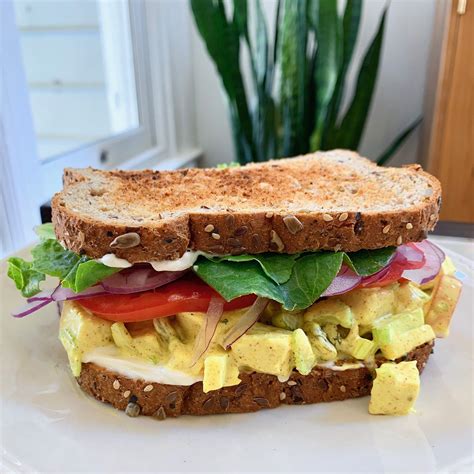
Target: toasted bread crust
[
  {"x": 256, "y": 391},
  {"x": 325, "y": 201}
]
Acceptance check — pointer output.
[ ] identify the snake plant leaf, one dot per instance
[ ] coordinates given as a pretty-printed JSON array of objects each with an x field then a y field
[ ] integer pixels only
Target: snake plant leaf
[
  {"x": 352, "y": 126},
  {"x": 397, "y": 143},
  {"x": 263, "y": 117},
  {"x": 277, "y": 30},
  {"x": 351, "y": 23},
  {"x": 327, "y": 64},
  {"x": 293, "y": 44},
  {"x": 241, "y": 17},
  {"x": 273, "y": 124},
  {"x": 222, "y": 40},
  {"x": 257, "y": 43},
  {"x": 350, "y": 31},
  {"x": 311, "y": 55},
  {"x": 260, "y": 52},
  {"x": 264, "y": 131}
]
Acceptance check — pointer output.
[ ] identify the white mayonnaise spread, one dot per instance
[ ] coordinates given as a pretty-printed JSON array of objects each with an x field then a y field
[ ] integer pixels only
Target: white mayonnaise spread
[
  {"x": 111, "y": 260},
  {"x": 185, "y": 261},
  {"x": 346, "y": 366},
  {"x": 110, "y": 358}
]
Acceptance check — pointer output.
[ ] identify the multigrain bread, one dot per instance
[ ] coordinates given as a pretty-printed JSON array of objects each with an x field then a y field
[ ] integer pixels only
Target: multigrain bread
[
  {"x": 256, "y": 391},
  {"x": 330, "y": 201}
]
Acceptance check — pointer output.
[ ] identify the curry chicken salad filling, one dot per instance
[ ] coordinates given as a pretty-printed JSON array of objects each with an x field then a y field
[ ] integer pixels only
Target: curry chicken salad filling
[
  {"x": 212, "y": 320},
  {"x": 339, "y": 332}
]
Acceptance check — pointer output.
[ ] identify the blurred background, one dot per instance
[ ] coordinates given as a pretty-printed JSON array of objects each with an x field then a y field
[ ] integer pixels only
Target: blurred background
[{"x": 170, "y": 83}]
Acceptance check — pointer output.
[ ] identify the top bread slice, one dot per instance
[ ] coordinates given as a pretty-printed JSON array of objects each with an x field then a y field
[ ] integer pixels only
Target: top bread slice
[{"x": 333, "y": 200}]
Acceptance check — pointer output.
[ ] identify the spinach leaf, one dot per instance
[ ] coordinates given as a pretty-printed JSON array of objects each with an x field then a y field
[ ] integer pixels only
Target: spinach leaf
[
  {"x": 312, "y": 274},
  {"x": 296, "y": 281},
  {"x": 26, "y": 279},
  {"x": 233, "y": 279},
  {"x": 45, "y": 231},
  {"x": 277, "y": 266},
  {"x": 368, "y": 262}
]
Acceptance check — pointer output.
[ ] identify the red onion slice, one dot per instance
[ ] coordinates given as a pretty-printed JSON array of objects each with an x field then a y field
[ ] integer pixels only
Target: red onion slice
[
  {"x": 58, "y": 294},
  {"x": 62, "y": 294},
  {"x": 245, "y": 322},
  {"x": 137, "y": 280},
  {"x": 208, "y": 328},
  {"x": 419, "y": 262},
  {"x": 43, "y": 296},
  {"x": 31, "y": 307},
  {"x": 66, "y": 294},
  {"x": 345, "y": 281},
  {"x": 410, "y": 256},
  {"x": 427, "y": 246},
  {"x": 434, "y": 257}
]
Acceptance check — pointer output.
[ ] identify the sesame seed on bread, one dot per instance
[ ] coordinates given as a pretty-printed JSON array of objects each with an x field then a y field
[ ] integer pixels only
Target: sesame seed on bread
[
  {"x": 333, "y": 200},
  {"x": 255, "y": 392}
]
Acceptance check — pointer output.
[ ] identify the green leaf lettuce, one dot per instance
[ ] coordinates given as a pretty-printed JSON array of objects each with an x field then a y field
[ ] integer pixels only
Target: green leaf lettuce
[
  {"x": 26, "y": 279},
  {"x": 50, "y": 258}
]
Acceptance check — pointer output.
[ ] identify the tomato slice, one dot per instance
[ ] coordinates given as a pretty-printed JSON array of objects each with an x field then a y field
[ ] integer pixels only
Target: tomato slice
[{"x": 186, "y": 294}]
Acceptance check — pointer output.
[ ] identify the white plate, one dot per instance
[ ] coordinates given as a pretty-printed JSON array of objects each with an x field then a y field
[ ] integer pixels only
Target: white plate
[{"x": 48, "y": 424}]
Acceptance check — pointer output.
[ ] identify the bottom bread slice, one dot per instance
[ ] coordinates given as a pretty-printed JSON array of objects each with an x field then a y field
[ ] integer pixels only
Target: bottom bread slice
[{"x": 256, "y": 391}]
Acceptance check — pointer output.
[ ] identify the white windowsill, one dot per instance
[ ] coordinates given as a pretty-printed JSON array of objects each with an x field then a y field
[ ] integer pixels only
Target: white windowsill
[{"x": 153, "y": 159}]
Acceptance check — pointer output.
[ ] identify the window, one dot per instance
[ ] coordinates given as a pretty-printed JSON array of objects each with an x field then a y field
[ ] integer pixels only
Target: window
[{"x": 80, "y": 62}]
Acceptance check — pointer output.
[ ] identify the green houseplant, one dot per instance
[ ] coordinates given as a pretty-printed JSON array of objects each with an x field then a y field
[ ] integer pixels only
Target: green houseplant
[{"x": 298, "y": 77}]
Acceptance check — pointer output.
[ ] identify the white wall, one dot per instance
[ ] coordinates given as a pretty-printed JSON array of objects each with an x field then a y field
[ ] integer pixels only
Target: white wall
[
  {"x": 398, "y": 97},
  {"x": 78, "y": 69}
]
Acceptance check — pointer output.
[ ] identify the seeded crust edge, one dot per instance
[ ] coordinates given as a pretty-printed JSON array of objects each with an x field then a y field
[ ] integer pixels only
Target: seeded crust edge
[
  {"x": 255, "y": 392},
  {"x": 248, "y": 232}
]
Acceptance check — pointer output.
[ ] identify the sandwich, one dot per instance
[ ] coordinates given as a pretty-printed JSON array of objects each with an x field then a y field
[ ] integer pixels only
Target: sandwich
[{"x": 234, "y": 289}]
